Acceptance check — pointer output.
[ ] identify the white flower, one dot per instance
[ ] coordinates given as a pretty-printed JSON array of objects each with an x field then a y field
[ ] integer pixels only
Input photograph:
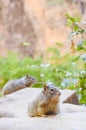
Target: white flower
[
  {"x": 80, "y": 89},
  {"x": 73, "y": 81},
  {"x": 49, "y": 83},
  {"x": 28, "y": 66},
  {"x": 68, "y": 74},
  {"x": 57, "y": 70},
  {"x": 83, "y": 57},
  {"x": 42, "y": 75},
  {"x": 75, "y": 74},
  {"x": 73, "y": 63},
  {"x": 44, "y": 65},
  {"x": 65, "y": 82},
  {"x": 33, "y": 66},
  {"x": 83, "y": 72}
]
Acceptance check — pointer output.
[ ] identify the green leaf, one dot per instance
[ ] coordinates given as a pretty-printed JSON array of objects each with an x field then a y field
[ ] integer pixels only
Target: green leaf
[
  {"x": 76, "y": 58},
  {"x": 77, "y": 19},
  {"x": 82, "y": 30},
  {"x": 69, "y": 23},
  {"x": 59, "y": 44},
  {"x": 80, "y": 46},
  {"x": 70, "y": 18},
  {"x": 84, "y": 42},
  {"x": 76, "y": 28},
  {"x": 26, "y": 44}
]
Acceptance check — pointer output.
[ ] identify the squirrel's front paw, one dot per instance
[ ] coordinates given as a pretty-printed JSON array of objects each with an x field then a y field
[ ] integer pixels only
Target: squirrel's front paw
[{"x": 43, "y": 115}]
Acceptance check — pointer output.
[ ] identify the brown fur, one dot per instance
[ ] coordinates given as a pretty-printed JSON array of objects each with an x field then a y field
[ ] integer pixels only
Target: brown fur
[
  {"x": 17, "y": 84},
  {"x": 47, "y": 102}
]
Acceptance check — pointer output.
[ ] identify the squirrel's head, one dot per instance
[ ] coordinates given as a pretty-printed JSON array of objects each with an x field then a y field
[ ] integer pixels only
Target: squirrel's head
[
  {"x": 51, "y": 90},
  {"x": 30, "y": 80}
]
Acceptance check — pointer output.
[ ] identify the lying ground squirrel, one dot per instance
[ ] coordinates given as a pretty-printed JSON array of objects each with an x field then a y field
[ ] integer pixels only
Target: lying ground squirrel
[
  {"x": 46, "y": 103},
  {"x": 17, "y": 84}
]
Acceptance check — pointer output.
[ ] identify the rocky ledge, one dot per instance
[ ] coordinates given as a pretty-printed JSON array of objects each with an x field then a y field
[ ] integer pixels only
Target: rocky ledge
[{"x": 13, "y": 112}]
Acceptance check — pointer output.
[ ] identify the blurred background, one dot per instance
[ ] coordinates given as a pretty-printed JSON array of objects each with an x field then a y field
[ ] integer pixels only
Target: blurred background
[
  {"x": 42, "y": 23},
  {"x": 34, "y": 40}
]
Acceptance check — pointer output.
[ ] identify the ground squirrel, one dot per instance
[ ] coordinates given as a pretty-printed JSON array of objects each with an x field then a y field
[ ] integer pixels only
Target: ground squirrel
[
  {"x": 46, "y": 103},
  {"x": 17, "y": 84}
]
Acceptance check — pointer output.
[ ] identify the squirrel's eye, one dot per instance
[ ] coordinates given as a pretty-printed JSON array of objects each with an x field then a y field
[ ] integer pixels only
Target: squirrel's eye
[{"x": 52, "y": 90}]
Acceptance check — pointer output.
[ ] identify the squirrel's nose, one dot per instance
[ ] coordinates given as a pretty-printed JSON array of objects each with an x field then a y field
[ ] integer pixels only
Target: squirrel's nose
[{"x": 59, "y": 93}]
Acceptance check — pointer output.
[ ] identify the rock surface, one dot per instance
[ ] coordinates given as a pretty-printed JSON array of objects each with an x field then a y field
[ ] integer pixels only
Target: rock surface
[
  {"x": 16, "y": 27},
  {"x": 13, "y": 114},
  {"x": 64, "y": 121},
  {"x": 69, "y": 96},
  {"x": 39, "y": 22}
]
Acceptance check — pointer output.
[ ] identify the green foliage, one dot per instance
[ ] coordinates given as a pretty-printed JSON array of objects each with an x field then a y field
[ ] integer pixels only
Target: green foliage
[
  {"x": 68, "y": 71},
  {"x": 73, "y": 23},
  {"x": 81, "y": 46},
  {"x": 64, "y": 72},
  {"x": 72, "y": 20},
  {"x": 12, "y": 67}
]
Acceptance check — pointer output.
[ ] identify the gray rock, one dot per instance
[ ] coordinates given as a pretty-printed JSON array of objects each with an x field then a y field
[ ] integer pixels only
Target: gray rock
[
  {"x": 69, "y": 96},
  {"x": 13, "y": 114},
  {"x": 16, "y": 27}
]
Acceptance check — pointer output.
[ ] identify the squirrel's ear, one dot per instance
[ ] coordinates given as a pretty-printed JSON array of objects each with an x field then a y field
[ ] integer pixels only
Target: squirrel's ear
[
  {"x": 45, "y": 87},
  {"x": 27, "y": 75}
]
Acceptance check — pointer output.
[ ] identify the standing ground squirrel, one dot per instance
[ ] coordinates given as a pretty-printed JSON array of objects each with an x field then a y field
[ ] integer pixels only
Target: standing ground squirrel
[
  {"x": 17, "y": 84},
  {"x": 46, "y": 103}
]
